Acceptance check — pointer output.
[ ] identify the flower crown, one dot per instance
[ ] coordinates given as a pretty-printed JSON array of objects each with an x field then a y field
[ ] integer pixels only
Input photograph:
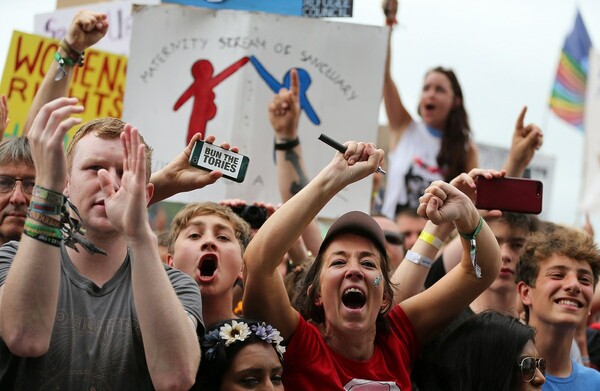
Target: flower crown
[{"x": 229, "y": 334}]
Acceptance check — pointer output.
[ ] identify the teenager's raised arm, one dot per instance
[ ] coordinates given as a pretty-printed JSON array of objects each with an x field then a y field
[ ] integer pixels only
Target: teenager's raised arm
[
  {"x": 85, "y": 30},
  {"x": 410, "y": 276},
  {"x": 433, "y": 309}
]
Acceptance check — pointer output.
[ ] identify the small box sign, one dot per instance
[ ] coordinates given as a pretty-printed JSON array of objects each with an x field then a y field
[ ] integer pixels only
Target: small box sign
[{"x": 327, "y": 8}]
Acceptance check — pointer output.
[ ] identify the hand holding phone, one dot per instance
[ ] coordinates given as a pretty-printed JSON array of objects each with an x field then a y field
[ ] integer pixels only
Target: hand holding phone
[
  {"x": 509, "y": 194},
  {"x": 211, "y": 157}
]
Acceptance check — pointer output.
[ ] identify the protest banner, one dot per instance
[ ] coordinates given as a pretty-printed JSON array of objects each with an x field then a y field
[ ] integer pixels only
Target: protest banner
[
  {"x": 98, "y": 84},
  {"x": 193, "y": 69}
]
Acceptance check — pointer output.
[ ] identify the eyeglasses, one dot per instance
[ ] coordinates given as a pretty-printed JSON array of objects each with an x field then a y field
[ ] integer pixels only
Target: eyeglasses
[
  {"x": 528, "y": 366},
  {"x": 8, "y": 184},
  {"x": 393, "y": 237}
]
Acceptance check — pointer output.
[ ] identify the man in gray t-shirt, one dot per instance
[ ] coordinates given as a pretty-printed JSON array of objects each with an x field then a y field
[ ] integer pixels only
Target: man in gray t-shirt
[
  {"x": 91, "y": 321},
  {"x": 73, "y": 319}
]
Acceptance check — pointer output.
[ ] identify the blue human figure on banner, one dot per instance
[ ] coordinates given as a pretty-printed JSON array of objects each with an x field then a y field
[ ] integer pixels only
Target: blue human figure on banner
[{"x": 304, "y": 78}]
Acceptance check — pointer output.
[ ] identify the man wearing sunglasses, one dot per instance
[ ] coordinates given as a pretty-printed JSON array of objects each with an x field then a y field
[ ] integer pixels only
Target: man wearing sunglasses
[
  {"x": 17, "y": 178},
  {"x": 556, "y": 277}
]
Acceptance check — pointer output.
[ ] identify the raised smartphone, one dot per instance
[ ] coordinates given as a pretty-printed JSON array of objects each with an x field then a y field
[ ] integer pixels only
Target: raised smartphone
[
  {"x": 509, "y": 194},
  {"x": 210, "y": 157}
]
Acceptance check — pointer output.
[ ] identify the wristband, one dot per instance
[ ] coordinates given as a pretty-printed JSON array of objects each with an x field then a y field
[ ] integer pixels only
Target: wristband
[
  {"x": 43, "y": 238},
  {"x": 286, "y": 145},
  {"x": 52, "y": 196},
  {"x": 43, "y": 218},
  {"x": 74, "y": 55},
  {"x": 473, "y": 246},
  {"x": 418, "y": 259},
  {"x": 46, "y": 209},
  {"x": 431, "y": 240},
  {"x": 43, "y": 230},
  {"x": 475, "y": 233}
]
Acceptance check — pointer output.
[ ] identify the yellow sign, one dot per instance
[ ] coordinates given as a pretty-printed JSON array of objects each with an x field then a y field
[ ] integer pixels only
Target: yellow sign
[{"x": 99, "y": 84}]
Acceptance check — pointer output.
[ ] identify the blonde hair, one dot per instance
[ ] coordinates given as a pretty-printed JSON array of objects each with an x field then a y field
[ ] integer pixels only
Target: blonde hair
[
  {"x": 183, "y": 217},
  {"x": 105, "y": 128}
]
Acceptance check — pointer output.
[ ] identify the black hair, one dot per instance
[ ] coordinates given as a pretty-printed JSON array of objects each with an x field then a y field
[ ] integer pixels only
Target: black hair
[
  {"x": 482, "y": 353},
  {"x": 452, "y": 157},
  {"x": 217, "y": 358}
]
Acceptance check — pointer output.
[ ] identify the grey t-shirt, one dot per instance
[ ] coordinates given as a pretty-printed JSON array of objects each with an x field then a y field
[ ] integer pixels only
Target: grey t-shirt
[{"x": 96, "y": 341}]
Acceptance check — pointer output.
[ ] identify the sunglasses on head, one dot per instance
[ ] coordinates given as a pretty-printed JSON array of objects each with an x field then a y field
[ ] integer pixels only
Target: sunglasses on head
[
  {"x": 528, "y": 366},
  {"x": 393, "y": 237}
]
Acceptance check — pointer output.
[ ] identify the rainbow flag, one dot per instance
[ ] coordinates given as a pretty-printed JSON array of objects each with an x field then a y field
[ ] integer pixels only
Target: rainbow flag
[{"x": 568, "y": 93}]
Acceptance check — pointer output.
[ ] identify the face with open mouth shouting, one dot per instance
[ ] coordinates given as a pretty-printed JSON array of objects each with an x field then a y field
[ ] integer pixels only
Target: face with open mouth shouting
[
  {"x": 208, "y": 251},
  {"x": 437, "y": 99},
  {"x": 563, "y": 291},
  {"x": 350, "y": 290}
]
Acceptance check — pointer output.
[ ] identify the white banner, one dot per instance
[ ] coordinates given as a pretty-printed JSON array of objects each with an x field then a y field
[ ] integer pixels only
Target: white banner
[
  {"x": 219, "y": 70},
  {"x": 590, "y": 195}
]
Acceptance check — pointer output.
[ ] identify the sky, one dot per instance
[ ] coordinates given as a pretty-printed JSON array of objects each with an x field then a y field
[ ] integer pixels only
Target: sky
[{"x": 505, "y": 53}]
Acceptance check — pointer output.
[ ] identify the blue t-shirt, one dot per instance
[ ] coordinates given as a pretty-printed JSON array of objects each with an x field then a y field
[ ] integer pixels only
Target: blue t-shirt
[{"x": 581, "y": 378}]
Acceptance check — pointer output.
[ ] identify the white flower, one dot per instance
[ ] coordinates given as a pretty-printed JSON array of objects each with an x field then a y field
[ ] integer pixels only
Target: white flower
[
  {"x": 234, "y": 332},
  {"x": 280, "y": 349}
]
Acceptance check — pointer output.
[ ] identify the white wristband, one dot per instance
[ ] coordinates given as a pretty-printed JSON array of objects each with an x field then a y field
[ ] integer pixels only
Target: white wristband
[{"x": 418, "y": 259}]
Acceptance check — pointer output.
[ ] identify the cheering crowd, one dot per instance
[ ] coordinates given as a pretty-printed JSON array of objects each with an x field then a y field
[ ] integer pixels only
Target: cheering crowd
[{"x": 427, "y": 292}]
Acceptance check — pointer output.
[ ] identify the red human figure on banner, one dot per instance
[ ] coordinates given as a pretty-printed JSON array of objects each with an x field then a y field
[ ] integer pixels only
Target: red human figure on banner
[{"x": 204, "y": 108}]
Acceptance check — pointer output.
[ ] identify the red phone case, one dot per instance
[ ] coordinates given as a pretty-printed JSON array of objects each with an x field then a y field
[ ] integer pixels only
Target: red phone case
[{"x": 509, "y": 194}]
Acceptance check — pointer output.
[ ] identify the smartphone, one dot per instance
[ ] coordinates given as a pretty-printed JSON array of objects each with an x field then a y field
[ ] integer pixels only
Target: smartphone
[
  {"x": 210, "y": 157},
  {"x": 509, "y": 194}
]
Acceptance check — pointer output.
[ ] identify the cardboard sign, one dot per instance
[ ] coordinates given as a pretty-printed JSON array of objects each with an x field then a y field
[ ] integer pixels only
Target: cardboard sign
[
  {"x": 99, "y": 84},
  {"x": 198, "y": 70}
]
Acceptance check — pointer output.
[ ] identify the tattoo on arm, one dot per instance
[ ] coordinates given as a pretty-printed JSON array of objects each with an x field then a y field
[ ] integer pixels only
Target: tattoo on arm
[{"x": 302, "y": 181}]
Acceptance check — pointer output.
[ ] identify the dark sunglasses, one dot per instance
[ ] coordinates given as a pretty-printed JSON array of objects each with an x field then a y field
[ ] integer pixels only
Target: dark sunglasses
[
  {"x": 528, "y": 366},
  {"x": 393, "y": 237}
]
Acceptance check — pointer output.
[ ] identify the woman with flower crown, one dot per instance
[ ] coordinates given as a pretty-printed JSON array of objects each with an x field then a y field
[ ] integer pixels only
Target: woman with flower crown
[
  {"x": 239, "y": 354},
  {"x": 350, "y": 334}
]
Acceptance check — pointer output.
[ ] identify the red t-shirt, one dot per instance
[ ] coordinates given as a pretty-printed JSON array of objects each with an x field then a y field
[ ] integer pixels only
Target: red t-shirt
[{"x": 309, "y": 364}]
